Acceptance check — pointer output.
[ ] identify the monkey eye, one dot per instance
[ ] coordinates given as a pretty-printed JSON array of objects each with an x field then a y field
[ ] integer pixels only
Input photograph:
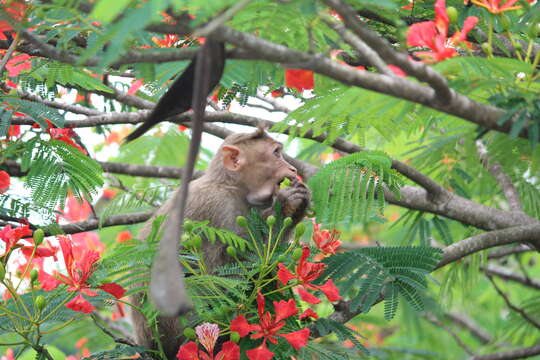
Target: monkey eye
[{"x": 277, "y": 152}]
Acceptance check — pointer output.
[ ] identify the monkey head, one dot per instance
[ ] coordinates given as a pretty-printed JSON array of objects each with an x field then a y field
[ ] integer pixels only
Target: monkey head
[{"x": 254, "y": 162}]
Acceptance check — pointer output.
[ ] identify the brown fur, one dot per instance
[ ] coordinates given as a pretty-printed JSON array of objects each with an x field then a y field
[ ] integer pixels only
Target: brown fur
[{"x": 220, "y": 196}]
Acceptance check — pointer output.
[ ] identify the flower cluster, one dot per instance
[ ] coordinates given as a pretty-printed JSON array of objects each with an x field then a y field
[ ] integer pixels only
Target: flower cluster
[
  {"x": 207, "y": 335},
  {"x": 80, "y": 264},
  {"x": 434, "y": 35}
]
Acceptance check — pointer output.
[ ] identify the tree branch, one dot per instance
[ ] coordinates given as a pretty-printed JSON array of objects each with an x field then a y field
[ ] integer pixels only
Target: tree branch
[
  {"x": 503, "y": 273},
  {"x": 433, "y": 319},
  {"x": 520, "y": 311},
  {"x": 510, "y": 355},
  {"x": 469, "y": 324}
]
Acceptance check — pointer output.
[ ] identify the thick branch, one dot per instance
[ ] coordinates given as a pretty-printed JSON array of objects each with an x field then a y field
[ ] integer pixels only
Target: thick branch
[
  {"x": 114, "y": 220},
  {"x": 526, "y": 233},
  {"x": 506, "y": 251},
  {"x": 457, "y": 104}
]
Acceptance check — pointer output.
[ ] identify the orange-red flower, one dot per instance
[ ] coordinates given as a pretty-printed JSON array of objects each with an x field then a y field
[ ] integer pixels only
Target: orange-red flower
[
  {"x": 208, "y": 334},
  {"x": 135, "y": 86},
  {"x": 14, "y": 131},
  {"x": 306, "y": 272},
  {"x": 299, "y": 79},
  {"x": 434, "y": 35},
  {"x": 327, "y": 242},
  {"x": 5, "y": 181},
  {"x": 18, "y": 63},
  {"x": 268, "y": 328},
  {"x": 65, "y": 135},
  {"x": 11, "y": 236},
  {"x": 123, "y": 236},
  {"x": 495, "y": 7},
  {"x": 80, "y": 264}
]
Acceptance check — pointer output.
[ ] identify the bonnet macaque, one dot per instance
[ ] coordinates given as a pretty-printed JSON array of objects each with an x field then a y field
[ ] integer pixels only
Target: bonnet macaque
[{"x": 245, "y": 173}]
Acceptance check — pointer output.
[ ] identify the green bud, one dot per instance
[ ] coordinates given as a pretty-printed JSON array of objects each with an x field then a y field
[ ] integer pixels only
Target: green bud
[
  {"x": 518, "y": 46},
  {"x": 2, "y": 271},
  {"x": 452, "y": 14},
  {"x": 183, "y": 321},
  {"x": 299, "y": 230},
  {"x": 185, "y": 238},
  {"x": 297, "y": 254},
  {"x": 505, "y": 22},
  {"x": 533, "y": 30},
  {"x": 40, "y": 302},
  {"x": 231, "y": 251},
  {"x": 287, "y": 222},
  {"x": 241, "y": 221},
  {"x": 197, "y": 242},
  {"x": 190, "y": 333},
  {"x": 486, "y": 48},
  {"x": 271, "y": 220},
  {"x": 38, "y": 236},
  {"x": 188, "y": 226},
  {"x": 234, "y": 337},
  {"x": 187, "y": 244},
  {"x": 281, "y": 258},
  {"x": 33, "y": 275}
]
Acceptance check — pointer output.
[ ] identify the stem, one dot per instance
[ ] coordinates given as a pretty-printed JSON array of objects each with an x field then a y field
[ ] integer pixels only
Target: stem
[
  {"x": 514, "y": 44},
  {"x": 490, "y": 36},
  {"x": 529, "y": 51},
  {"x": 58, "y": 327},
  {"x": 56, "y": 309},
  {"x": 27, "y": 267}
]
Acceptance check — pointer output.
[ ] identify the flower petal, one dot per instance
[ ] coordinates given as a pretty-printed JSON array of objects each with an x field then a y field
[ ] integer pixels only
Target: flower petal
[
  {"x": 260, "y": 353},
  {"x": 309, "y": 313},
  {"x": 188, "y": 352},
  {"x": 284, "y": 275},
  {"x": 285, "y": 309},
  {"x": 80, "y": 304},
  {"x": 114, "y": 289},
  {"x": 330, "y": 290},
  {"x": 298, "y": 338},
  {"x": 229, "y": 351},
  {"x": 308, "y": 297},
  {"x": 48, "y": 282},
  {"x": 299, "y": 79},
  {"x": 241, "y": 326}
]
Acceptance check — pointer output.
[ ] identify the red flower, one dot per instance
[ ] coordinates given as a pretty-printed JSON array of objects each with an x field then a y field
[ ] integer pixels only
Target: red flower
[
  {"x": 65, "y": 135},
  {"x": 494, "y": 6},
  {"x": 11, "y": 236},
  {"x": 182, "y": 128},
  {"x": 17, "y": 64},
  {"x": 433, "y": 35},
  {"x": 15, "y": 10},
  {"x": 299, "y": 79},
  {"x": 135, "y": 86},
  {"x": 327, "y": 242},
  {"x": 269, "y": 326},
  {"x": 309, "y": 313},
  {"x": 305, "y": 273},
  {"x": 14, "y": 131},
  {"x": 123, "y": 236},
  {"x": 5, "y": 181},
  {"x": 169, "y": 40},
  {"x": 277, "y": 93},
  {"x": 409, "y": 6},
  {"x": 208, "y": 334},
  {"x": 80, "y": 264}
]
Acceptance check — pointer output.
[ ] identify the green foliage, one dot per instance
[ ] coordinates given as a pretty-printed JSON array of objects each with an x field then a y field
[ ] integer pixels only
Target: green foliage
[
  {"x": 350, "y": 189},
  {"x": 366, "y": 273},
  {"x": 223, "y": 235},
  {"x": 37, "y": 112},
  {"x": 120, "y": 351},
  {"x": 54, "y": 168},
  {"x": 326, "y": 326}
]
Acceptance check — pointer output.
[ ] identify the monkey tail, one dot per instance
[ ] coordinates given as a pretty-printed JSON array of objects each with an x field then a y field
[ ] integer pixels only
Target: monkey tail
[{"x": 140, "y": 130}]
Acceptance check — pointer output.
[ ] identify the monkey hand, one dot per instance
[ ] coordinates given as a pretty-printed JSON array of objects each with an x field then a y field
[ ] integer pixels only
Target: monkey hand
[{"x": 294, "y": 200}]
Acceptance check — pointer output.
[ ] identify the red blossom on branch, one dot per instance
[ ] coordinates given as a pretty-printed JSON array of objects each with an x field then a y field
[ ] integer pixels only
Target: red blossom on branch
[
  {"x": 306, "y": 272},
  {"x": 327, "y": 242},
  {"x": 5, "y": 181},
  {"x": 299, "y": 79},
  {"x": 80, "y": 264},
  {"x": 268, "y": 328},
  {"x": 434, "y": 35},
  {"x": 208, "y": 334},
  {"x": 11, "y": 236},
  {"x": 495, "y": 7}
]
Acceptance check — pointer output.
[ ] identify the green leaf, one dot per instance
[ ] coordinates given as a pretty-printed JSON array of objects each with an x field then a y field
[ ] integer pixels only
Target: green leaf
[{"x": 106, "y": 10}]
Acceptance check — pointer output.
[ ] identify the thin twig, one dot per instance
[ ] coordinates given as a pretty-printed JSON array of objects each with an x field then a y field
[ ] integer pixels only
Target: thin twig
[
  {"x": 433, "y": 319},
  {"x": 9, "y": 52}
]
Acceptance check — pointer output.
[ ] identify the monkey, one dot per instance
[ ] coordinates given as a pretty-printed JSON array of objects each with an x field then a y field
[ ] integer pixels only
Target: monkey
[{"x": 245, "y": 173}]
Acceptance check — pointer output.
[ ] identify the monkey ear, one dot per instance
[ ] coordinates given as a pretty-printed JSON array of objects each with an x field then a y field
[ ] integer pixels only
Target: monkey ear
[{"x": 233, "y": 158}]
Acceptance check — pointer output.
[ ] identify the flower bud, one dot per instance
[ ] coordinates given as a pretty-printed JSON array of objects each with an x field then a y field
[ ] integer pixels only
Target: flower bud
[
  {"x": 190, "y": 333},
  {"x": 533, "y": 30},
  {"x": 2, "y": 271},
  {"x": 197, "y": 242},
  {"x": 38, "y": 236},
  {"x": 281, "y": 258},
  {"x": 184, "y": 239},
  {"x": 188, "y": 226},
  {"x": 271, "y": 220},
  {"x": 33, "y": 275},
  {"x": 505, "y": 22},
  {"x": 287, "y": 222},
  {"x": 297, "y": 254},
  {"x": 299, "y": 230},
  {"x": 285, "y": 183},
  {"x": 486, "y": 48},
  {"x": 452, "y": 14},
  {"x": 518, "y": 46},
  {"x": 234, "y": 337},
  {"x": 231, "y": 251},
  {"x": 40, "y": 302},
  {"x": 241, "y": 221}
]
